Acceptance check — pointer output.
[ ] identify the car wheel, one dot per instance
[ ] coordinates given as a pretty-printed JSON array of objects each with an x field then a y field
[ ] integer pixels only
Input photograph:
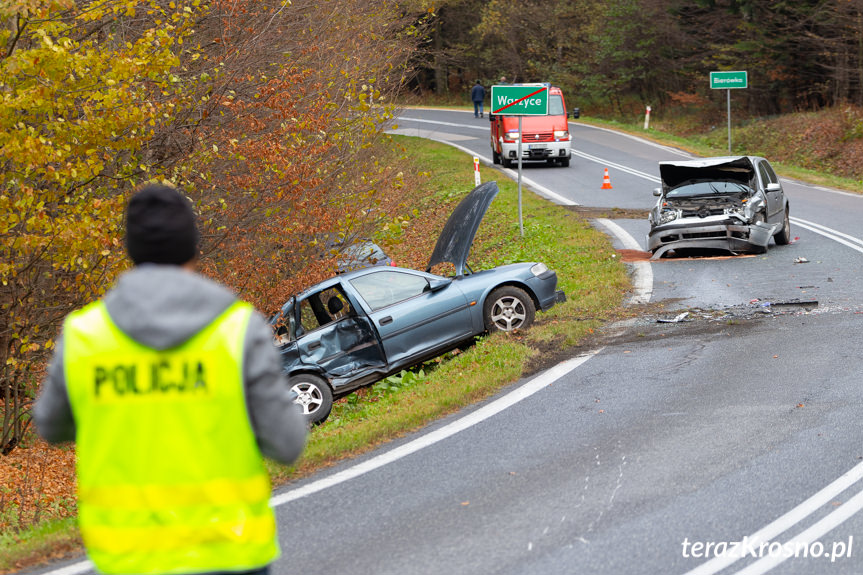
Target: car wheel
[
  {"x": 313, "y": 396},
  {"x": 508, "y": 308},
  {"x": 564, "y": 162},
  {"x": 783, "y": 236},
  {"x": 495, "y": 157},
  {"x": 507, "y": 163}
]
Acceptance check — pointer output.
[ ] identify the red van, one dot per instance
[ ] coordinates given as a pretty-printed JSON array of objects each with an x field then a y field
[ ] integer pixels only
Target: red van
[{"x": 546, "y": 138}]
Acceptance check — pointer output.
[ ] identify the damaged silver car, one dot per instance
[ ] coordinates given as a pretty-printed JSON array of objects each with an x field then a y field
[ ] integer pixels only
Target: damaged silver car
[{"x": 730, "y": 203}]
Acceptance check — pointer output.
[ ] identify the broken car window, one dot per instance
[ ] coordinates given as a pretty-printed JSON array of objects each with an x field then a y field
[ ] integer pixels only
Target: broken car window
[
  {"x": 385, "y": 288},
  {"x": 323, "y": 308}
]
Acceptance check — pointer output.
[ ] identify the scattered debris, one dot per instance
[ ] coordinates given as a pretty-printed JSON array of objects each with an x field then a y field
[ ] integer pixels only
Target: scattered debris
[
  {"x": 800, "y": 302},
  {"x": 677, "y": 319},
  {"x": 801, "y": 260}
]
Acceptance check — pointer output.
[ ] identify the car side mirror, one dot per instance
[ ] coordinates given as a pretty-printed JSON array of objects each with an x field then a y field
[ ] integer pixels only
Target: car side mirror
[
  {"x": 774, "y": 187},
  {"x": 575, "y": 113},
  {"x": 439, "y": 284},
  {"x": 657, "y": 192}
]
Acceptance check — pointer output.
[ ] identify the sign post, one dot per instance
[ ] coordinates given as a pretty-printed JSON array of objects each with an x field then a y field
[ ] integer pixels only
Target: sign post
[
  {"x": 520, "y": 100},
  {"x": 728, "y": 81},
  {"x": 476, "y": 178}
]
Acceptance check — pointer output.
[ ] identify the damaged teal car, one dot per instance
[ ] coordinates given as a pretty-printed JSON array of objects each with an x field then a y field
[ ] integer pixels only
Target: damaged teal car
[{"x": 359, "y": 327}]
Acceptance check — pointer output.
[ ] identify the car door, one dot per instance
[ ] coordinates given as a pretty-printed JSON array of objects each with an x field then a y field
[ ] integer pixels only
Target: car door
[
  {"x": 774, "y": 193},
  {"x": 337, "y": 336},
  {"x": 414, "y": 313}
]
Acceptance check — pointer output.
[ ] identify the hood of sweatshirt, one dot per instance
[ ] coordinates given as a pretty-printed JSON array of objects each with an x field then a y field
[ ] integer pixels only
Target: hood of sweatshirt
[{"x": 162, "y": 306}]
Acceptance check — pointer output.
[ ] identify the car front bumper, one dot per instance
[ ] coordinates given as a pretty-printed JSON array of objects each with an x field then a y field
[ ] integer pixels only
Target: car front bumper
[
  {"x": 717, "y": 233},
  {"x": 536, "y": 150}
]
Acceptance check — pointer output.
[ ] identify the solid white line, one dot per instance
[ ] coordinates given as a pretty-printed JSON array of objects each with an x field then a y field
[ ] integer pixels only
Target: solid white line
[
  {"x": 523, "y": 392},
  {"x": 833, "y": 234},
  {"x": 829, "y": 230},
  {"x": 645, "y": 141},
  {"x": 769, "y": 532},
  {"x": 617, "y": 166},
  {"x": 642, "y": 280},
  {"x": 439, "y": 123},
  {"x": 833, "y": 520},
  {"x": 536, "y": 384}
]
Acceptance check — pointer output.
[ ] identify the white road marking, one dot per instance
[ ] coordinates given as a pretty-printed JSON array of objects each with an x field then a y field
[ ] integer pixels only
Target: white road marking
[
  {"x": 835, "y": 235},
  {"x": 769, "y": 532},
  {"x": 642, "y": 277},
  {"x": 536, "y": 384},
  {"x": 814, "y": 533},
  {"x": 616, "y": 166}
]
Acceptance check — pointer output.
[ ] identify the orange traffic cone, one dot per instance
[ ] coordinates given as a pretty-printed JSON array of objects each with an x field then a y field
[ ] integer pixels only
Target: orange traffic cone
[{"x": 606, "y": 181}]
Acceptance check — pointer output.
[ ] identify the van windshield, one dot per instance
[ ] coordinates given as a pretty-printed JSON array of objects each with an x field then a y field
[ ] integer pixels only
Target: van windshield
[{"x": 555, "y": 105}]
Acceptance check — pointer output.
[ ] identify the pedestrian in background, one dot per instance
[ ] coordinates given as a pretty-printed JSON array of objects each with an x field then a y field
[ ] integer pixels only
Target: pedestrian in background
[
  {"x": 172, "y": 390},
  {"x": 477, "y": 94}
]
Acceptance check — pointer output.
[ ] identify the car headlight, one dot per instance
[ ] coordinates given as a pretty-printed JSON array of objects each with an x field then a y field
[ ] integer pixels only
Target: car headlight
[
  {"x": 511, "y": 136},
  {"x": 561, "y": 134},
  {"x": 668, "y": 215},
  {"x": 538, "y": 269}
]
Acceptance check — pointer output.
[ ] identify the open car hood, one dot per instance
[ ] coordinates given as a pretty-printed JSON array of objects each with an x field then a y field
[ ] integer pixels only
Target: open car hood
[
  {"x": 723, "y": 169},
  {"x": 455, "y": 240}
]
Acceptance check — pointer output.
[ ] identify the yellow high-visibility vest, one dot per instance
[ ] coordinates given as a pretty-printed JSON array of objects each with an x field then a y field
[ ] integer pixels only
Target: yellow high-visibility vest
[{"x": 170, "y": 478}]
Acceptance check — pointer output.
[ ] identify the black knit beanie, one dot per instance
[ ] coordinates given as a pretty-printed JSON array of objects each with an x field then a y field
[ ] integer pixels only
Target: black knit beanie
[{"x": 160, "y": 226}]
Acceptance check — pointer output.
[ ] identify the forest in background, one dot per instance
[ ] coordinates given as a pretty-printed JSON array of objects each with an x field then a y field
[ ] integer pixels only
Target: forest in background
[{"x": 615, "y": 57}]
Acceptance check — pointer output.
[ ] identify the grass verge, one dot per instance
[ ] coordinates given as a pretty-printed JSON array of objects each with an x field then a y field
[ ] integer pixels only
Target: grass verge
[{"x": 593, "y": 278}]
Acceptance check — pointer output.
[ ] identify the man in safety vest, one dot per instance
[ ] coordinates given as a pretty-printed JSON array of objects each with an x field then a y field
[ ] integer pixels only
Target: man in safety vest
[{"x": 172, "y": 390}]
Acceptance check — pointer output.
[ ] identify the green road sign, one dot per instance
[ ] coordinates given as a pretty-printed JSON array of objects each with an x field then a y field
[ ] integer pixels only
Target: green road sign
[
  {"x": 728, "y": 80},
  {"x": 521, "y": 100}
]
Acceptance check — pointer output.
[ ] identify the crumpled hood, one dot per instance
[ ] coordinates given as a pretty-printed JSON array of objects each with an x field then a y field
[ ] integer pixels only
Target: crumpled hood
[
  {"x": 162, "y": 306},
  {"x": 455, "y": 240},
  {"x": 726, "y": 168}
]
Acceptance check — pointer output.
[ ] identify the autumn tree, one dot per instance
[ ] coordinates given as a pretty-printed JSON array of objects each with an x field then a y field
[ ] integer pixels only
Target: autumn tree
[
  {"x": 267, "y": 114},
  {"x": 85, "y": 87}
]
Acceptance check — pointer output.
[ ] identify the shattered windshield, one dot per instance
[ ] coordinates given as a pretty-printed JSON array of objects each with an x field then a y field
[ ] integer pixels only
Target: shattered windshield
[{"x": 708, "y": 189}]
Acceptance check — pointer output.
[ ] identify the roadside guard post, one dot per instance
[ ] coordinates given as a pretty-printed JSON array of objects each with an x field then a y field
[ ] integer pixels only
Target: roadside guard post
[
  {"x": 520, "y": 100},
  {"x": 476, "y": 179},
  {"x": 728, "y": 81}
]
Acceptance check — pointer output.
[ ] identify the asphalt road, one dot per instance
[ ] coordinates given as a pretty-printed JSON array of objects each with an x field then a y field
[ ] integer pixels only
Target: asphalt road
[
  {"x": 655, "y": 453},
  {"x": 671, "y": 437}
]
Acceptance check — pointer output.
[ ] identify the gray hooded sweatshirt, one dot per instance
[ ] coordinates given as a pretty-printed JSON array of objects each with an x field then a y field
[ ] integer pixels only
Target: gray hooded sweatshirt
[{"x": 162, "y": 306}]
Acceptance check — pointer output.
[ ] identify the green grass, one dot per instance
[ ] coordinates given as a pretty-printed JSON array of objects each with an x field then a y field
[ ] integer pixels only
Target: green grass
[{"x": 594, "y": 281}]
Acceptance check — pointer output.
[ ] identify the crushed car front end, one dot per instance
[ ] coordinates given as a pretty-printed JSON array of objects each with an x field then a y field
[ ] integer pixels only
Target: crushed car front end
[{"x": 709, "y": 204}]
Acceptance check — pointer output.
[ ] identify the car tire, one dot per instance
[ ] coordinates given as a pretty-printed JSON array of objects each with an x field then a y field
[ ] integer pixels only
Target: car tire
[
  {"x": 495, "y": 157},
  {"x": 507, "y": 163},
  {"x": 783, "y": 236},
  {"x": 508, "y": 308},
  {"x": 314, "y": 396},
  {"x": 564, "y": 162}
]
